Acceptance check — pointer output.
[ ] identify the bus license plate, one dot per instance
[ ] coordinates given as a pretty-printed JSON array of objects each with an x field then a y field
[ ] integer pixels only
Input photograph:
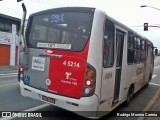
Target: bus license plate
[{"x": 48, "y": 99}]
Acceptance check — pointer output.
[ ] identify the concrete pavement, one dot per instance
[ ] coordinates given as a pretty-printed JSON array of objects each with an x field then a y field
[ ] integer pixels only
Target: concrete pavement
[{"x": 8, "y": 69}]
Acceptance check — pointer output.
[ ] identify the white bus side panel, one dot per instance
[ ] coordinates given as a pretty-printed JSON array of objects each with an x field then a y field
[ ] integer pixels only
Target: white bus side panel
[
  {"x": 148, "y": 64},
  {"x": 95, "y": 48},
  {"x": 133, "y": 77}
]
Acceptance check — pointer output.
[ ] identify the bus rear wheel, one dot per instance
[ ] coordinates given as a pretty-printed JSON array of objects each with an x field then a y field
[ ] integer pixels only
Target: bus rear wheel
[
  {"x": 129, "y": 96},
  {"x": 149, "y": 79}
]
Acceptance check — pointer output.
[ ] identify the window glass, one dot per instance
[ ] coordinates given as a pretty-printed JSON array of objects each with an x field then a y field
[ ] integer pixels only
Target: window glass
[
  {"x": 8, "y": 27},
  {"x": 143, "y": 56},
  {"x": 137, "y": 56},
  {"x": 143, "y": 45},
  {"x": 131, "y": 50},
  {"x": 135, "y": 43},
  {"x": 1, "y": 26},
  {"x": 108, "y": 50},
  {"x": 60, "y": 30},
  {"x": 138, "y": 43},
  {"x": 131, "y": 56},
  {"x": 130, "y": 41},
  {"x": 152, "y": 55}
]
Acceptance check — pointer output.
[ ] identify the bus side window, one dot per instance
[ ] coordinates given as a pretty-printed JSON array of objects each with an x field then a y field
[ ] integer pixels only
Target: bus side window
[
  {"x": 131, "y": 50},
  {"x": 108, "y": 51}
]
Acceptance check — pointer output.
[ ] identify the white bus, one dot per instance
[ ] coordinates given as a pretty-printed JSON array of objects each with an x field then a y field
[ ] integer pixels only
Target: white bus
[{"x": 80, "y": 59}]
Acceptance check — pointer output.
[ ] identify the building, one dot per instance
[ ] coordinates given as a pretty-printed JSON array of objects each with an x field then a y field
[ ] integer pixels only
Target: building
[{"x": 9, "y": 29}]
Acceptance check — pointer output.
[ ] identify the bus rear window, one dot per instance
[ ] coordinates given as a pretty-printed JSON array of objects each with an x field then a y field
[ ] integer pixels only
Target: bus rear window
[{"x": 64, "y": 31}]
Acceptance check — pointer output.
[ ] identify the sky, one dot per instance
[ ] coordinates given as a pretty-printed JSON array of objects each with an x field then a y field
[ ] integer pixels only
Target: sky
[{"x": 127, "y": 12}]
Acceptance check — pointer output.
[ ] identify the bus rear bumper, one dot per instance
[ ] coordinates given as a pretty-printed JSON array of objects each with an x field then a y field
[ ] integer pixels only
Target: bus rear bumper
[{"x": 85, "y": 106}]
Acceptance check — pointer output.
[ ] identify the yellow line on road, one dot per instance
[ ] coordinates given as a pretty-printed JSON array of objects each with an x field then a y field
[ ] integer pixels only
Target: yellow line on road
[{"x": 151, "y": 103}]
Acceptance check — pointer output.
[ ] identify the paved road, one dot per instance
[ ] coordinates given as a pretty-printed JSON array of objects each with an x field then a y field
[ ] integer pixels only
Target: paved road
[{"x": 10, "y": 98}]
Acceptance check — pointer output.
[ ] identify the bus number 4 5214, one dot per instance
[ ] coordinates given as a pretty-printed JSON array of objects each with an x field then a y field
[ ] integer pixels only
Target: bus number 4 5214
[{"x": 71, "y": 64}]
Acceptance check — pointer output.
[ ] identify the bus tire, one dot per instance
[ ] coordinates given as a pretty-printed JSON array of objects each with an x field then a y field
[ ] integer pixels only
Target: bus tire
[
  {"x": 149, "y": 79},
  {"x": 146, "y": 85},
  {"x": 129, "y": 96}
]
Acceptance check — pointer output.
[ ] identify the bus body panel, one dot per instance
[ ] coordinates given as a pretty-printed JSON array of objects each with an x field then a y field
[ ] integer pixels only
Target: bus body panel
[
  {"x": 85, "y": 106},
  {"x": 67, "y": 73},
  {"x": 37, "y": 69},
  {"x": 135, "y": 75},
  {"x": 148, "y": 64},
  {"x": 95, "y": 57},
  {"x": 107, "y": 89},
  {"x": 95, "y": 48}
]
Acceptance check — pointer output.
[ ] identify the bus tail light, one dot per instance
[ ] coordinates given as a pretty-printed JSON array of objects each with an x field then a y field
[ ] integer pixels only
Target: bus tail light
[
  {"x": 90, "y": 74},
  {"x": 89, "y": 81},
  {"x": 20, "y": 74},
  {"x": 86, "y": 90},
  {"x": 49, "y": 51}
]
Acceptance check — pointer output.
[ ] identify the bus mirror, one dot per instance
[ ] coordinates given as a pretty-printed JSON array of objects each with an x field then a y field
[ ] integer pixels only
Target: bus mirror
[{"x": 156, "y": 51}]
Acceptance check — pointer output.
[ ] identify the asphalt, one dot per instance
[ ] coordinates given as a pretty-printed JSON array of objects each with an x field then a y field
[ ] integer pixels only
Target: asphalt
[
  {"x": 153, "y": 106},
  {"x": 9, "y": 69}
]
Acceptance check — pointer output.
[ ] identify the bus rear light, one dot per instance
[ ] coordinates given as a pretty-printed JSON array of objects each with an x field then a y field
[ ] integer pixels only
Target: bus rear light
[
  {"x": 49, "y": 51},
  {"x": 88, "y": 82},
  {"x": 90, "y": 74},
  {"x": 86, "y": 91}
]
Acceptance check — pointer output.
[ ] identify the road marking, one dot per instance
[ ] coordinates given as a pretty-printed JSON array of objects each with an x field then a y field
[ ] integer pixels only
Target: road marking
[
  {"x": 153, "y": 76},
  {"x": 8, "y": 74},
  {"x": 7, "y": 84},
  {"x": 156, "y": 67},
  {"x": 154, "y": 84},
  {"x": 28, "y": 110},
  {"x": 150, "y": 104},
  {"x": 38, "y": 107}
]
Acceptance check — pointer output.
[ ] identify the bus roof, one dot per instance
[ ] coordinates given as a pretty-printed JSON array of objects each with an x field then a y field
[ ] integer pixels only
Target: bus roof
[{"x": 61, "y": 9}]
